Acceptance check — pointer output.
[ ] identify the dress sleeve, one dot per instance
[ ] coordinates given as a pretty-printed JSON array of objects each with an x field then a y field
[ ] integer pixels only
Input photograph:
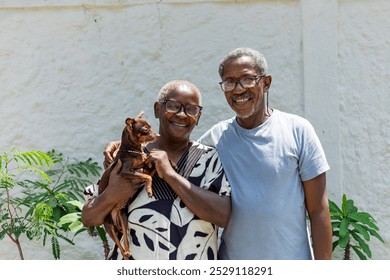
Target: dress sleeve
[
  {"x": 214, "y": 178},
  {"x": 90, "y": 192}
]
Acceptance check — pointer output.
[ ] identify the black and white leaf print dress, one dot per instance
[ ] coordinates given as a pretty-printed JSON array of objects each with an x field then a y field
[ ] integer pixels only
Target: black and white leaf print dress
[{"x": 162, "y": 227}]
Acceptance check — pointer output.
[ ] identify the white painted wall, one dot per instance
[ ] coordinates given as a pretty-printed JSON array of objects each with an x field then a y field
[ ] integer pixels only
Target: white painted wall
[{"x": 71, "y": 71}]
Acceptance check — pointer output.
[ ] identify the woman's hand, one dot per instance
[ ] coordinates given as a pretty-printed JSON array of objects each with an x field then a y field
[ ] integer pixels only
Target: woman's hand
[
  {"x": 161, "y": 162},
  {"x": 120, "y": 187}
]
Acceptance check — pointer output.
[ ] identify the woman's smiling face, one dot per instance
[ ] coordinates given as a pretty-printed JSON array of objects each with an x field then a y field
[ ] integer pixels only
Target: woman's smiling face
[{"x": 178, "y": 126}]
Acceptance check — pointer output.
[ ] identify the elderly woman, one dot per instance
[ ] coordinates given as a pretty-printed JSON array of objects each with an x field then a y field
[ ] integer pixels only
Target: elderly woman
[{"x": 181, "y": 220}]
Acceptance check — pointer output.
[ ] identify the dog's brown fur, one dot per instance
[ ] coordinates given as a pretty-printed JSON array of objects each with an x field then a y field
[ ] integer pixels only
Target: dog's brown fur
[{"x": 132, "y": 156}]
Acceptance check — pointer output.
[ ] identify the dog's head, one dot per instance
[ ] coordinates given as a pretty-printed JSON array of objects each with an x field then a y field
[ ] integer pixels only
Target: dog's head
[{"x": 138, "y": 130}]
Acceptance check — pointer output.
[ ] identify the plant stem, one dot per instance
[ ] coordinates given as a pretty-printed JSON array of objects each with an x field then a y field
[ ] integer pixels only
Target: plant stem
[
  {"x": 18, "y": 245},
  {"x": 19, "y": 249},
  {"x": 347, "y": 252}
]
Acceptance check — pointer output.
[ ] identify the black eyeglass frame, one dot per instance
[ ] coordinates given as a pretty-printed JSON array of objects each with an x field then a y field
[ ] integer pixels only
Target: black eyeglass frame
[
  {"x": 181, "y": 106},
  {"x": 257, "y": 77}
]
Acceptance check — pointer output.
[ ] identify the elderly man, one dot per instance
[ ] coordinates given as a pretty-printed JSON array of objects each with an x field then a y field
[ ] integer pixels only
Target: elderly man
[{"x": 276, "y": 168}]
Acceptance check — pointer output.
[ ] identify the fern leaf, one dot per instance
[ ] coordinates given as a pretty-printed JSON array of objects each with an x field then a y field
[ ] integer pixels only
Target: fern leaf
[
  {"x": 23, "y": 159},
  {"x": 76, "y": 195},
  {"x": 43, "y": 211},
  {"x": 76, "y": 226},
  {"x": 69, "y": 218},
  {"x": 57, "y": 157},
  {"x": 34, "y": 158},
  {"x": 42, "y": 174},
  {"x": 92, "y": 166},
  {"x": 44, "y": 238},
  {"x": 51, "y": 227},
  {"x": 7, "y": 182},
  {"x": 45, "y": 160},
  {"x": 29, "y": 156},
  {"x": 66, "y": 239},
  {"x": 74, "y": 171},
  {"x": 55, "y": 245},
  {"x": 2, "y": 158},
  {"x": 79, "y": 205}
]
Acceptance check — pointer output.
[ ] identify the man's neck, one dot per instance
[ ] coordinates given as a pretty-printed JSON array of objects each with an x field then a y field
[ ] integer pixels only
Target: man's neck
[{"x": 255, "y": 120}]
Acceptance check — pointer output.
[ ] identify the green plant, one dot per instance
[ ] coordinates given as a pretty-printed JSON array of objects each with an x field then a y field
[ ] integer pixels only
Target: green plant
[
  {"x": 352, "y": 229},
  {"x": 73, "y": 220},
  {"x": 36, "y": 190}
]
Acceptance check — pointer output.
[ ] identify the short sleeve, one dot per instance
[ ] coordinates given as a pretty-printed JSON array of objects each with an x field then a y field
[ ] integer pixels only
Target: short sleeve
[
  {"x": 214, "y": 178},
  {"x": 312, "y": 159}
]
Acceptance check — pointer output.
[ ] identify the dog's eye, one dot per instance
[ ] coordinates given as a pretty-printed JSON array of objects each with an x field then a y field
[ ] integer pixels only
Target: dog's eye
[{"x": 145, "y": 130}]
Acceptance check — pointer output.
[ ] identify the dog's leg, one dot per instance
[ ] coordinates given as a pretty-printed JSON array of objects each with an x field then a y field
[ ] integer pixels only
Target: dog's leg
[
  {"x": 149, "y": 180},
  {"x": 112, "y": 254},
  {"x": 148, "y": 186},
  {"x": 116, "y": 216},
  {"x": 103, "y": 182},
  {"x": 112, "y": 231},
  {"x": 141, "y": 176},
  {"x": 124, "y": 226}
]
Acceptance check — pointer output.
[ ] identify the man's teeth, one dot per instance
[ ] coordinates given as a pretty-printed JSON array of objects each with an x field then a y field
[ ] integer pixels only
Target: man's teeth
[{"x": 241, "y": 100}]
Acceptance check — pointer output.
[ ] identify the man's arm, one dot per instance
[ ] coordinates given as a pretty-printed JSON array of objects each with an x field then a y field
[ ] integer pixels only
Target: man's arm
[
  {"x": 318, "y": 209},
  {"x": 110, "y": 152}
]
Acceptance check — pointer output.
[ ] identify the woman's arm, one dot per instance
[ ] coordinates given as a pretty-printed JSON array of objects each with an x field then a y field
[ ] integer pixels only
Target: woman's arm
[
  {"x": 205, "y": 204},
  {"x": 97, "y": 208}
]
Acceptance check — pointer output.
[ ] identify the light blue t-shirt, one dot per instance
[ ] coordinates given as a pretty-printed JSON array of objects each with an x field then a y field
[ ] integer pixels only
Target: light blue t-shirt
[{"x": 265, "y": 167}]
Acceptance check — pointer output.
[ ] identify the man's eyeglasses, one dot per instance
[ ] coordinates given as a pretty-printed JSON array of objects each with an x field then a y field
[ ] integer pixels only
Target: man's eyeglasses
[
  {"x": 245, "y": 82},
  {"x": 172, "y": 106}
]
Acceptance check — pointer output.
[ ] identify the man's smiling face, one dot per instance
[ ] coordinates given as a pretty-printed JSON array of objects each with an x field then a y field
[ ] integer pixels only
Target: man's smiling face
[{"x": 245, "y": 102}]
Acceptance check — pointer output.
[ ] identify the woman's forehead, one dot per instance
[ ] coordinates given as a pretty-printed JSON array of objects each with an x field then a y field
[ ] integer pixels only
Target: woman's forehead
[{"x": 183, "y": 92}]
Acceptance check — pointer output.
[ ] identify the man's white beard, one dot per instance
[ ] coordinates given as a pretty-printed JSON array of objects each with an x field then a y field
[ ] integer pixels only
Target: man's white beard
[{"x": 250, "y": 114}]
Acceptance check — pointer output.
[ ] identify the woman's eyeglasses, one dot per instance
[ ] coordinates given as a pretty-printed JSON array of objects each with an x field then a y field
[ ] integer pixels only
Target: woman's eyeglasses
[{"x": 173, "y": 106}]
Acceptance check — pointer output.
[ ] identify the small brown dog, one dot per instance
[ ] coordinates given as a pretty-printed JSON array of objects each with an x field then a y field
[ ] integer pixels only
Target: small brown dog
[{"x": 132, "y": 156}]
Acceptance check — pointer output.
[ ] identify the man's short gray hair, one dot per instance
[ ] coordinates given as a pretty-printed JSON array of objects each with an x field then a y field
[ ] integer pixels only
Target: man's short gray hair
[{"x": 259, "y": 60}]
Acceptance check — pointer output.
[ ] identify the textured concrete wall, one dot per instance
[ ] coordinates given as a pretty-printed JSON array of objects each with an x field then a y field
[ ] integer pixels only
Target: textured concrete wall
[
  {"x": 363, "y": 87},
  {"x": 71, "y": 71}
]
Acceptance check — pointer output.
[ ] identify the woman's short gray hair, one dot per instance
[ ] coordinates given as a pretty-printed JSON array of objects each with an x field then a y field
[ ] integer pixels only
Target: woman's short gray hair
[
  {"x": 172, "y": 85},
  {"x": 259, "y": 60}
]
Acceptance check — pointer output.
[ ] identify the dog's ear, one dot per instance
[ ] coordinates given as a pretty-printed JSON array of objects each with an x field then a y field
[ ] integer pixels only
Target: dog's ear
[
  {"x": 140, "y": 114},
  {"x": 130, "y": 122}
]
